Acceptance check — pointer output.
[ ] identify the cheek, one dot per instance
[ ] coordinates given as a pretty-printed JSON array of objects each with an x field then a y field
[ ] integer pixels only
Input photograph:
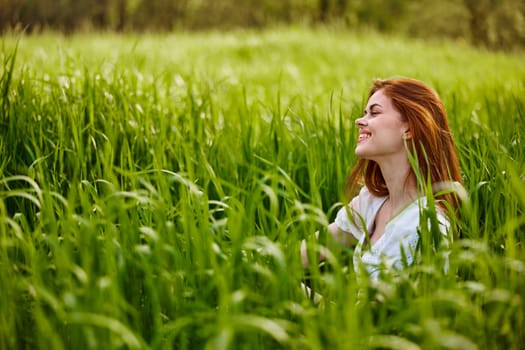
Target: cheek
[{"x": 392, "y": 140}]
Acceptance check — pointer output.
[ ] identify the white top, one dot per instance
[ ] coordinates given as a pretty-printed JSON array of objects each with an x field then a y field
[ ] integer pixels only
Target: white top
[{"x": 400, "y": 235}]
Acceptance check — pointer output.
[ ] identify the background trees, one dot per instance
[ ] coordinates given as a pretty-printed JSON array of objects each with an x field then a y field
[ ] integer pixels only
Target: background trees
[{"x": 498, "y": 24}]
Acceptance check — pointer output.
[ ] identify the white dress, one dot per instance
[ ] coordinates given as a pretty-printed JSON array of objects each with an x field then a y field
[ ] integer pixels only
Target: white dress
[{"x": 399, "y": 238}]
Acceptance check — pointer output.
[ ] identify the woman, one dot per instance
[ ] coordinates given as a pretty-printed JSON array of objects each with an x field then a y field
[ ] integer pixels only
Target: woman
[{"x": 404, "y": 119}]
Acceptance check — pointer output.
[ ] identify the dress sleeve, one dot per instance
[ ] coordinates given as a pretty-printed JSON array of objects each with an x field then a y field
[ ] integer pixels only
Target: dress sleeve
[{"x": 349, "y": 219}]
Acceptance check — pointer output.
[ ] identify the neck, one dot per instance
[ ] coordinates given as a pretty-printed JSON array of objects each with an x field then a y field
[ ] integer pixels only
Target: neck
[{"x": 400, "y": 181}]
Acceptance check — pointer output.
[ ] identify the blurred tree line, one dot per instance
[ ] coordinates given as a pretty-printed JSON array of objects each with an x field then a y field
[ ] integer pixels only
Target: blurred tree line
[{"x": 496, "y": 24}]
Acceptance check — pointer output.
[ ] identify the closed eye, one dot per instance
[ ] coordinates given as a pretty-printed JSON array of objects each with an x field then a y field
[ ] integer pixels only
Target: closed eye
[
  {"x": 374, "y": 109},
  {"x": 371, "y": 113}
]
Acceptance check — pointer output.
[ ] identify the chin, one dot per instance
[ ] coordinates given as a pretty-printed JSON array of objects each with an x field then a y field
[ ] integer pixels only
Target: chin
[
  {"x": 363, "y": 155},
  {"x": 360, "y": 153}
]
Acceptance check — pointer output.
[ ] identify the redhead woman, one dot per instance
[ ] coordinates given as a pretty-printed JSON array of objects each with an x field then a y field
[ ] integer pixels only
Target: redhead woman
[{"x": 404, "y": 119}]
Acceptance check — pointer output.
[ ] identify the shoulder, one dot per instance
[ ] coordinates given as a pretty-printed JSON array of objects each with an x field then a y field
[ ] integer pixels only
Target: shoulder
[
  {"x": 412, "y": 217},
  {"x": 355, "y": 216},
  {"x": 365, "y": 204},
  {"x": 366, "y": 199}
]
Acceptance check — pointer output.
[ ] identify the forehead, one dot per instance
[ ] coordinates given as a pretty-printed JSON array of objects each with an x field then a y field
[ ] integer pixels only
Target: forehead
[{"x": 379, "y": 98}]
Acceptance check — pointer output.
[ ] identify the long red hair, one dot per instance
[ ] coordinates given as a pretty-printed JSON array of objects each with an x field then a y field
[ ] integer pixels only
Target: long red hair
[{"x": 431, "y": 142}]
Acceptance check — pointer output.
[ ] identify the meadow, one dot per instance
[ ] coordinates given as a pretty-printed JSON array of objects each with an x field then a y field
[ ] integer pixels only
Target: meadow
[{"x": 154, "y": 190}]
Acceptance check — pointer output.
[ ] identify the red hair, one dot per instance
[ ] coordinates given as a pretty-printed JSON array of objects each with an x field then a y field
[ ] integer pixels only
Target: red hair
[{"x": 431, "y": 142}]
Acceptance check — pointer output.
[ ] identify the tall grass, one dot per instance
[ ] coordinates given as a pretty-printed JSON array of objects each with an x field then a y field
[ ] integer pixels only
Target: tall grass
[{"x": 155, "y": 189}]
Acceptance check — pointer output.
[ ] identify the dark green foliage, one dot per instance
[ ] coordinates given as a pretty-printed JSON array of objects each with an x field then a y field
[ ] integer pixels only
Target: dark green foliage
[{"x": 484, "y": 23}]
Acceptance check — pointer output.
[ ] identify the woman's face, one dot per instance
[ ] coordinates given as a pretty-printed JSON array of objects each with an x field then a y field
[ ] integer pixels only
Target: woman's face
[{"x": 381, "y": 130}]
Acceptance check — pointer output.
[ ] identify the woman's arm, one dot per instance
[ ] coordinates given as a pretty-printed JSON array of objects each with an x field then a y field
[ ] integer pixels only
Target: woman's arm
[{"x": 338, "y": 236}]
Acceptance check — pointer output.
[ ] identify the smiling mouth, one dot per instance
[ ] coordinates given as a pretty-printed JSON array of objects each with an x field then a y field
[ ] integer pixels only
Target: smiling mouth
[{"x": 363, "y": 137}]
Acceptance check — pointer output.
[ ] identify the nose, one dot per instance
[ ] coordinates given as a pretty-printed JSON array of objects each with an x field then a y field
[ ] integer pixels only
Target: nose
[{"x": 361, "y": 122}]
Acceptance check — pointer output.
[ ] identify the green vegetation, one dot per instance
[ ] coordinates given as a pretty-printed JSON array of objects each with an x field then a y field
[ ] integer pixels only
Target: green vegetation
[
  {"x": 154, "y": 190},
  {"x": 494, "y": 24}
]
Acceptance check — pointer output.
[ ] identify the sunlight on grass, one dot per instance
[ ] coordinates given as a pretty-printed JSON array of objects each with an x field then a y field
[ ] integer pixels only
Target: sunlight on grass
[{"x": 154, "y": 191}]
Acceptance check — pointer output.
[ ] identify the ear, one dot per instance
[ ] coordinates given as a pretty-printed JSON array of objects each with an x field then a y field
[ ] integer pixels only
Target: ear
[{"x": 407, "y": 135}]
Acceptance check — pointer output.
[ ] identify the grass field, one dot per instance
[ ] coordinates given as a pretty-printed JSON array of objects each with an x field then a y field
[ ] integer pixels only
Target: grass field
[{"x": 154, "y": 190}]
